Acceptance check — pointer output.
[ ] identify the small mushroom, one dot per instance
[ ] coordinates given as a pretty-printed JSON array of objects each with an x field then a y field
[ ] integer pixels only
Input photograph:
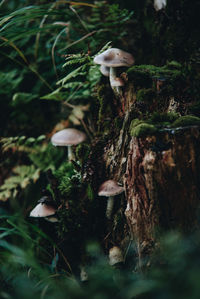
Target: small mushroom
[
  {"x": 46, "y": 211},
  {"x": 115, "y": 256},
  {"x": 68, "y": 137},
  {"x": 83, "y": 274},
  {"x": 159, "y": 4},
  {"x": 109, "y": 189},
  {"x": 113, "y": 58},
  {"x": 45, "y": 208}
]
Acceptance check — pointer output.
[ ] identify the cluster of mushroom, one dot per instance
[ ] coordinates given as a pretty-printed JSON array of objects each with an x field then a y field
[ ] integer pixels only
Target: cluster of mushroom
[
  {"x": 109, "y": 60},
  {"x": 68, "y": 137}
]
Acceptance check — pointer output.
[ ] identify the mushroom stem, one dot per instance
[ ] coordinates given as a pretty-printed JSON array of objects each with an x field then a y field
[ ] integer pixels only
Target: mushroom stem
[
  {"x": 109, "y": 208},
  {"x": 112, "y": 77},
  {"x": 83, "y": 274},
  {"x": 70, "y": 153}
]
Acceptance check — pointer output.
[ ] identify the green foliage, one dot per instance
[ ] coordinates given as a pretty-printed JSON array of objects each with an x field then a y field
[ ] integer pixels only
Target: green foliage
[
  {"x": 47, "y": 74},
  {"x": 22, "y": 176},
  {"x": 22, "y": 276},
  {"x": 21, "y": 143}
]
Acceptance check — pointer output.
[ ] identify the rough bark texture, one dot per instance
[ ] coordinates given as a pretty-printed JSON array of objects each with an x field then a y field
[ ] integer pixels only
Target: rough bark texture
[
  {"x": 162, "y": 184},
  {"x": 161, "y": 178},
  {"x": 160, "y": 171}
]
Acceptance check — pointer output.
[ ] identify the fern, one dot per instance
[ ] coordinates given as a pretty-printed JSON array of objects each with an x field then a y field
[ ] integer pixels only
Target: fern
[
  {"x": 22, "y": 176},
  {"x": 76, "y": 59},
  {"x": 20, "y": 143},
  {"x": 75, "y": 73}
]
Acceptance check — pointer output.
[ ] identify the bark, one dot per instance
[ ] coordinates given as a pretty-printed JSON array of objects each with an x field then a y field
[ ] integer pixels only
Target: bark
[
  {"x": 160, "y": 172},
  {"x": 162, "y": 185}
]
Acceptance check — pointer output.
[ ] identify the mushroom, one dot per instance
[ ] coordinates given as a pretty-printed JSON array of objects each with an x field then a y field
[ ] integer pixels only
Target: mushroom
[
  {"x": 68, "y": 137},
  {"x": 113, "y": 58},
  {"x": 105, "y": 70},
  {"x": 83, "y": 274},
  {"x": 159, "y": 4},
  {"x": 115, "y": 256},
  {"x": 109, "y": 189},
  {"x": 45, "y": 209}
]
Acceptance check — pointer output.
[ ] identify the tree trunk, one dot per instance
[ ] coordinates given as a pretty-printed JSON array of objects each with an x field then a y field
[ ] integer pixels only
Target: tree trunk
[{"x": 160, "y": 169}]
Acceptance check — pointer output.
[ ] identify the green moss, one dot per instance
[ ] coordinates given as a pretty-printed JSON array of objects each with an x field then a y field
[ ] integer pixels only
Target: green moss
[
  {"x": 161, "y": 118},
  {"x": 171, "y": 71},
  {"x": 173, "y": 65},
  {"x": 187, "y": 120},
  {"x": 145, "y": 94},
  {"x": 139, "y": 128},
  {"x": 135, "y": 122}
]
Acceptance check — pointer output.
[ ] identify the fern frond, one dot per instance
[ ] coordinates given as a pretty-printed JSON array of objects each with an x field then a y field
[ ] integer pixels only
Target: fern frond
[
  {"x": 20, "y": 143},
  {"x": 77, "y": 72}
]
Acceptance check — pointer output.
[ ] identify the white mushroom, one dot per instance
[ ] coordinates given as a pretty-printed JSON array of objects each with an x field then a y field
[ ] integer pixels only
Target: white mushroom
[
  {"x": 68, "y": 137},
  {"x": 159, "y": 4},
  {"x": 113, "y": 58},
  {"x": 115, "y": 256},
  {"x": 43, "y": 210},
  {"x": 109, "y": 189}
]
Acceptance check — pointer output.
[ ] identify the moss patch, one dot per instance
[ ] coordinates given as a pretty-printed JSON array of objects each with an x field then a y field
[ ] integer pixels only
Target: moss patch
[
  {"x": 171, "y": 70},
  {"x": 187, "y": 120},
  {"x": 145, "y": 94},
  {"x": 160, "y": 118},
  {"x": 139, "y": 128}
]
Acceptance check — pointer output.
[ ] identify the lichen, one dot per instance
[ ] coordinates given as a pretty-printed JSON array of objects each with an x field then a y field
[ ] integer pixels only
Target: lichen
[{"x": 187, "y": 120}]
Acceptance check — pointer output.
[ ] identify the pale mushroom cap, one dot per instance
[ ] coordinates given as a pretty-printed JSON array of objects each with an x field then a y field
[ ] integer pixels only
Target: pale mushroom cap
[
  {"x": 115, "y": 256},
  {"x": 159, "y": 4},
  {"x": 110, "y": 188},
  {"x": 114, "y": 58},
  {"x": 68, "y": 137},
  {"x": 43, "y": 210},
  {"x": 105, "y": 70}
]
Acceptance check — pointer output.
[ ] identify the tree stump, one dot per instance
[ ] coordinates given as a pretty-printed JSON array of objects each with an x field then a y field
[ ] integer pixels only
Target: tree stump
[{"x": 162, "y": 182}]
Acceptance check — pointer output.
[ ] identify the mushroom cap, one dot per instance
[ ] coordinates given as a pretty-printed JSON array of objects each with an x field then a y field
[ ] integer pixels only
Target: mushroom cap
[
  {"x": 115, "y": 256},
  {"x": 159, "y": 4},
  {"x": 68, "y": 137},
  {"x": 114, "y": 58},
  {"x": 105, "y": 70},
  {"x": 43, "y": 210},
  {"x": 110, "y": 188}
]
